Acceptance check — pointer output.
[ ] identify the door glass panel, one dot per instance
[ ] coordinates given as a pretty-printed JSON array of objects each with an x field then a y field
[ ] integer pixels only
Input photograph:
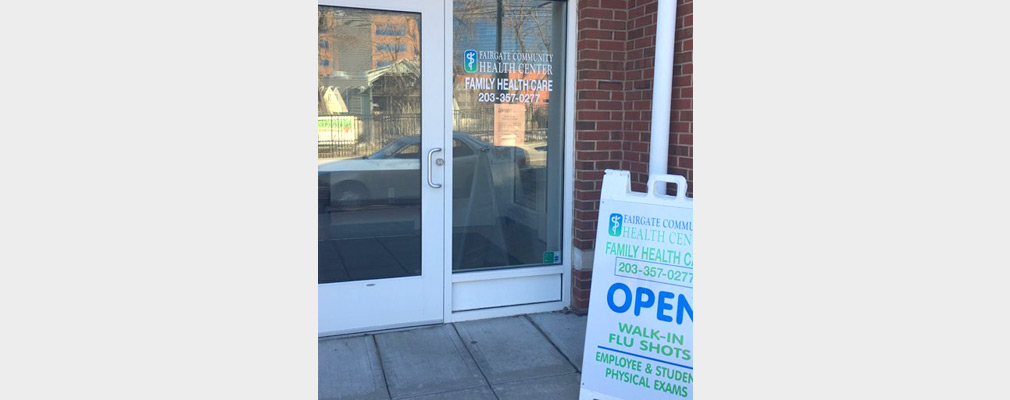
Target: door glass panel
[
  {"x": 508, "y": 133},
  {"x": 369, "y": 144}
]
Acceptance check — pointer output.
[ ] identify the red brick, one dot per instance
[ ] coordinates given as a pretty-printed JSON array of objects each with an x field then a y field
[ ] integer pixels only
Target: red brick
[
  {"x": 606, "y": 45},
  {"x": 591, "y": 135},
  {"x": 598, "y": 13},
  {"x": 681, "y": 34},
  {"x": 589, "y": 115},
  {"x": 685, "y": 9},
  {"x": 611, "y": 65},
  {"x": 610, "y": 105},
  {"x": 610, "y": 85},
  {"x": 636, "y": 12},
  {"x": 596, "y": 55},
  {"x": 594, "y": 74},
  {"x": 588, "y": 44},
  {"x": 596, "y": 34},
  {"x": 594, "y": 94},
  {"x": 608, "y": 145},
  {"x": 634, "y": 54},
  {"x": 587, "y": 194},
  {"x": 614, "y": 4},
  {"x": 608, "y": 125},
  {"x": 651, "y": 8}
]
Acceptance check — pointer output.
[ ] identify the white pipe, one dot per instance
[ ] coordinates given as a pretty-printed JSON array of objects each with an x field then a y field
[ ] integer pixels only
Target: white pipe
[{"x": 662, "y": 90}]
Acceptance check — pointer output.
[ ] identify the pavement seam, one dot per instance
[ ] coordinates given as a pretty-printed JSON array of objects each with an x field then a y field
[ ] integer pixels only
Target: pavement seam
[
  {"x": 438, "y": 393},
  {"x": 542, "y": 332},
  {"x": 382, "y": 366},
  {"x": 477, "y": 364},
  {"x": 540, "y": 377}
]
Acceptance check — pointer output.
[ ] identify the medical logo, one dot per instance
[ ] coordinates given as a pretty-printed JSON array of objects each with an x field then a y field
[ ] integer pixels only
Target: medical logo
[
  {"x": 470, "y": 61},
  {"x": 615, "y": 224}
]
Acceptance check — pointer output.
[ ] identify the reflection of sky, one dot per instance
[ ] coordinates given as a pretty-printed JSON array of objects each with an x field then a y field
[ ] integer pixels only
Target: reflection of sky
[{"x": 482, "y": 35}]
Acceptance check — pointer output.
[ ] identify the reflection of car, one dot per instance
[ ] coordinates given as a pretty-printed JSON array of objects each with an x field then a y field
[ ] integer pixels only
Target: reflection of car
[{"x": 392, "y": 175}]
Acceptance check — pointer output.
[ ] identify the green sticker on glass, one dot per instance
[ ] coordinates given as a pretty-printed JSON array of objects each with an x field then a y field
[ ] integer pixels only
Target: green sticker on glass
[{"x": 552, "y": 257}]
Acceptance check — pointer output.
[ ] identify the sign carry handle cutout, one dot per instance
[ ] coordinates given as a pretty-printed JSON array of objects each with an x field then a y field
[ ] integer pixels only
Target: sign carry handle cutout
[{"x": 639, "y": 332}]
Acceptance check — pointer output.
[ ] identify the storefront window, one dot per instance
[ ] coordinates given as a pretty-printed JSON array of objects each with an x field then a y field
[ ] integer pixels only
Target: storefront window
[{"x": 508, "y": 103}]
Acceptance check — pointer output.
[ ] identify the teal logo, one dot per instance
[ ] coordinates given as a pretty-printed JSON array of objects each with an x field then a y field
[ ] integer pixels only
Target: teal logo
[
  {"x": 551, "y": 257},
  {"x": 470, "y": 61},
  {"x": 616, "y": 221}
]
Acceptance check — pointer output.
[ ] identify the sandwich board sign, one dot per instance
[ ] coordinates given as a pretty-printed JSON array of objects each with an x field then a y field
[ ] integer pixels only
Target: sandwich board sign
[{"x": 639, "y": 331}]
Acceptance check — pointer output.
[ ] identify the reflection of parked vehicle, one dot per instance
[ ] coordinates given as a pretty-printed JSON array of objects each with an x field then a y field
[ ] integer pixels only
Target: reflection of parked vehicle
[{"x": 392, "y": 175}]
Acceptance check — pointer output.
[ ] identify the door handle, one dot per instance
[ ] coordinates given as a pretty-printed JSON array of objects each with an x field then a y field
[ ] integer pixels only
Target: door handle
[{"x": 430, "y": 153}]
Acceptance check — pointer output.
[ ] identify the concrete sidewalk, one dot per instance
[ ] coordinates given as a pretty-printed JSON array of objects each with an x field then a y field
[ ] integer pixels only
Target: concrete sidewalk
[{"x": 526, "y": 357}]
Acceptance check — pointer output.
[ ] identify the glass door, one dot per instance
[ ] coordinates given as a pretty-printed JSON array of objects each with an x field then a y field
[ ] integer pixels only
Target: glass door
[{"x": 381, "y": 135}]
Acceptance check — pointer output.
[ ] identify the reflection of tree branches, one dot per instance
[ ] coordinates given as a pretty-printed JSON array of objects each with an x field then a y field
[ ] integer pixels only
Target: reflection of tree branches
[
  {"x": 522, "y": 13},
  {"x": 519, "y": 14},
  {"x": 540, "y": 28},
  {"x": 516, "y": 15},
  {"x": 526, "y": 14}
]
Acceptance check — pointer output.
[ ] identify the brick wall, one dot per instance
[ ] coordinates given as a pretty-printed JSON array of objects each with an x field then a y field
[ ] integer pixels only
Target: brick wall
[{"x": 614, "y": 72}]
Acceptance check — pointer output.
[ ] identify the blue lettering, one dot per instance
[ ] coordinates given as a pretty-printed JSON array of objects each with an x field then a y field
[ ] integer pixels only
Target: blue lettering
[
  {"x": 663, "y": 306},
  {"x": 645, "y": 298},
  {"x": 627, "y": 297},
  {"x": 641, "y": 302},
  {"x": 683, "y": 305}
]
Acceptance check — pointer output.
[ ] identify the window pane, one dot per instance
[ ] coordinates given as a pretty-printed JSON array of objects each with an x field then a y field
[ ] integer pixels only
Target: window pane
[
  {"x": 369, "y": 136},
  {"x": 508, "y": 107}
]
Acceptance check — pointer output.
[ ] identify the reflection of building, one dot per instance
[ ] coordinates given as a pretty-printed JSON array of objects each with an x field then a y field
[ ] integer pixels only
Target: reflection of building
[
  {"x": 395, "y": 37},
  {"x": 350, "y": 42},
  {"x": 396, "y": 87},
  {"x": 359, "y": 50}
]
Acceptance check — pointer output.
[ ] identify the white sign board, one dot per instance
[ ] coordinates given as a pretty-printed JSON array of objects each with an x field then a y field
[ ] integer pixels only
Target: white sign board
[{"x": 639, "y": 331}]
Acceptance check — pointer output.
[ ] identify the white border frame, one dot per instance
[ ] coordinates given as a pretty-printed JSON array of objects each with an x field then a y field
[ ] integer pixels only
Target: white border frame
[{"x": 568, "y": 198}]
